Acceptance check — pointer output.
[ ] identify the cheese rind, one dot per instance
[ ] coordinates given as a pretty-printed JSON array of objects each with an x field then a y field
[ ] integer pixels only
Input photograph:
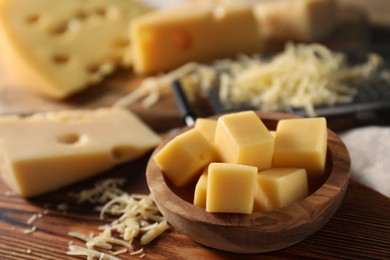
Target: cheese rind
[
  {"x": 183, "y": 159},
  {"x": 60, "y": 49},
  {"x": 283, "y": 186},
  {"x": 301, "y": 143},
  {"x": 243, "y": 138},
  {"x": 193, "y": 31},
  {"x": 230, "y": 188},
  {"x": 44, "y": 152}
]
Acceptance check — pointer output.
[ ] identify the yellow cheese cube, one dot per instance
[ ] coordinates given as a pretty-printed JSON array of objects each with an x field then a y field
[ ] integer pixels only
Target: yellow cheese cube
[
  {"x": 201, "y": 190},
  {"x": 261, "y": 200},
  {"x": 244, "y": 139},
  {"x": 60, "y": 49},
  {"x": 230, "y": 188},
  {"x": 184, "y": 157},
  {"x": 44, "y": 152},
  {"x": 298, "y": 20},
  {"x": 193, "y": 31},
  {"x": 283, "y": 186},
  {"x": 301, "y": 143},
  {"x": 206, "y": 127}
]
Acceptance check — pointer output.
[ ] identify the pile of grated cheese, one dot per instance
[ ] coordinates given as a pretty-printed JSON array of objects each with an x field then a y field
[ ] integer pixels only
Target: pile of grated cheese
[
  {"x": 136, "y": 216},
  {"x": 302, "y": 76}
]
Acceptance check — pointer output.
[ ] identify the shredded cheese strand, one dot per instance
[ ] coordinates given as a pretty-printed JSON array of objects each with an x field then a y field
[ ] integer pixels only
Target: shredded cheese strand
[
  {"x": 302, "y": 76},
  {"x": 136, "y": 215}
]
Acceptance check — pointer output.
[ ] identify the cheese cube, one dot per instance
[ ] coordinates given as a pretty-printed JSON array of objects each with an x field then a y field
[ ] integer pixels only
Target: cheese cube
[
  {"x": 200, "y": 193},
  {"x": 244, "y": 139},
  {"x": 298, "y": 20},
  {"x": 283, "y": 186},
  {"x": 184, "y": 157},
  {"x": 261, "y": 201},
  {"x": 230, "y": 188},
  {"x": 44, "y": 152},
  {"x": 193, "y": 31},
  {"x": 60, "y": 49},
  {"x": 301, "y": 143},
  {"x": 206, "y": 127}
]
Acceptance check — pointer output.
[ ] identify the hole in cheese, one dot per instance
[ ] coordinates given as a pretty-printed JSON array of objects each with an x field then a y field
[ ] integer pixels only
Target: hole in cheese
[
  {"x": 69, "y": 138},
  {"x": 94, "y": 68},
  {"x": 101, "y": 10},
  {"x": 181, "y": 39},
  {"x": 121, "y": 152},
  {"x": 33, "y": 18},
  {"x": 58, "y": 29},
  {"x": 100, "y": 69},
  {"x": 80, "y": 14},
  {"x": 60, "y": 59},
  {"x": 120, "y": 43}
]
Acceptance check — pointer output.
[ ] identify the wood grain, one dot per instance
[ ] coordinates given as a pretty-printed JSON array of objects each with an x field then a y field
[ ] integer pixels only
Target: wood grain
[
  {"x": 360, "y": 229},
  {"x": 260, "y": 231}
]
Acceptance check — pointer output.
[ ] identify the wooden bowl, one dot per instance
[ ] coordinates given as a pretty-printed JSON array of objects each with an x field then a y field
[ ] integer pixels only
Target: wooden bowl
[{"x": 261, "y": 231}]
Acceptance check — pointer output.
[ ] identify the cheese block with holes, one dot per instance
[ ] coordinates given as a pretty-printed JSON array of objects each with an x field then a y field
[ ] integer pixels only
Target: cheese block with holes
[
  {"x": 44, "y": 152},
  {"x": 60, "y": 47}
]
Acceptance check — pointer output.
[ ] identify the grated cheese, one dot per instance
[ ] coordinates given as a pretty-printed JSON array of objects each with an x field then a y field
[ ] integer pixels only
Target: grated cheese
[
  {"x": 89, "y": 253},
  {"x": 302, "y": 76},
  {"x": 136, "y": 216},
  {"x": 30, "y": 230},
  {"x": 32, "y": 219}
]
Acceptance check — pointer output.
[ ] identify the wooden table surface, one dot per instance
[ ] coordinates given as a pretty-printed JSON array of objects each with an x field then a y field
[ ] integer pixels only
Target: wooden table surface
[{"x": 360, "y": 229}]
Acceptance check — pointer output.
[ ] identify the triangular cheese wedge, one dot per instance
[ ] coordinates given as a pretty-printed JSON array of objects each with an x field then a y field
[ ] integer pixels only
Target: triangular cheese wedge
[{"x": 60, "y": 47}]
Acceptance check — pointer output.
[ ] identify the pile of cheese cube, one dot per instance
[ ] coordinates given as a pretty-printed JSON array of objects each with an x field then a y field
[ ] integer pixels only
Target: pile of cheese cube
[{"x": 239, "y": 166}]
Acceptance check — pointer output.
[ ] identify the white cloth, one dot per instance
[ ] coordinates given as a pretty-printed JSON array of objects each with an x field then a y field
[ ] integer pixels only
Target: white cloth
[{"x": 369, "y": 148}]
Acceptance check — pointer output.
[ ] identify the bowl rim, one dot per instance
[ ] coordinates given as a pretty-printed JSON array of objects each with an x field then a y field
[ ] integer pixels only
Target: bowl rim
[{"x": 335, "y": 185}]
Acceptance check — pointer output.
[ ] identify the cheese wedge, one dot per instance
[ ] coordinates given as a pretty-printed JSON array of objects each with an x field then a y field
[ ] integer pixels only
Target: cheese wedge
[
  {"x": 59, "y": 49},
  {"x": 44, "y": 152},
  {"x": 193, "y": 31}
]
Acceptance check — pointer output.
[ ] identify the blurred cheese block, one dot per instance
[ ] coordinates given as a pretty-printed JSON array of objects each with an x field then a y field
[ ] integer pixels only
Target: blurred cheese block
[
  {"x": 296, "y": 20},
  {"x": 193, "y": 31},
  {"x": 59, "y": 49},
  {"x": 44, "y": 152},
  {"x": 183, "y": 159},
  {"x": 230, "y": 188},
  {"x": 283, "y": 186},
  {"x": 301, "y": 143},
  {"x": 243, "y": 138}
]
